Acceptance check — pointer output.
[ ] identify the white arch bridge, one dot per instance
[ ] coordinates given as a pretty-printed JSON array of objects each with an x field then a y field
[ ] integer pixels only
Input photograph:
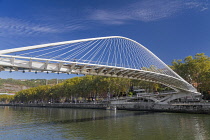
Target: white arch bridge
[{"x": 113, "y": 56}]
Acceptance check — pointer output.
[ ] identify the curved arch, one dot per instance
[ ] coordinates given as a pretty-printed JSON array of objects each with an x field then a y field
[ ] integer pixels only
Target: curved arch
[{"x": 119, "y": 48}]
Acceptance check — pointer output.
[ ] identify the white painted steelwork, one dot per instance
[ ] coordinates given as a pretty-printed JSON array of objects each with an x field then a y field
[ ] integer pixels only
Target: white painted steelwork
[{"x": 113, "y": 56}]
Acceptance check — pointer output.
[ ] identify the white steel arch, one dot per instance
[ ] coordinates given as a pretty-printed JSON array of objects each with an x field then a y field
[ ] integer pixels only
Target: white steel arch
[{"x": 114, "y": 56}]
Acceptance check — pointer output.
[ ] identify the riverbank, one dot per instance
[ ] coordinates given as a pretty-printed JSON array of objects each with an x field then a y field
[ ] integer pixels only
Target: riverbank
[{"x": 198, "y": 108}]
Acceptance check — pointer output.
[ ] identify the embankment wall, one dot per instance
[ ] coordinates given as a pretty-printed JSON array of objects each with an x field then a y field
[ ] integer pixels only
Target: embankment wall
[{"x": 142, "y": 106}]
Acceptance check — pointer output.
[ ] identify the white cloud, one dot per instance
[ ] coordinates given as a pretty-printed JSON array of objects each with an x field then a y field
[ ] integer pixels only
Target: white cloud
[
  {"x": 110, "y": 17},
  {"x": 14, "y": 26},
  {"x": 148, "y": 10},
  {"x": 62, "y": 20}
]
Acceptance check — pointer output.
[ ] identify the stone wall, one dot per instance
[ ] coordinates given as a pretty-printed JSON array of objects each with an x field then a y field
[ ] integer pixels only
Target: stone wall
[
  {"x": 143, "y": 106},
  {"x": 184, "y": 108}
]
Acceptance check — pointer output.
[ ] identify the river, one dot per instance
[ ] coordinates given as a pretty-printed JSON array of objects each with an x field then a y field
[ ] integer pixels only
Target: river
[{"x": 27, "y": 123}]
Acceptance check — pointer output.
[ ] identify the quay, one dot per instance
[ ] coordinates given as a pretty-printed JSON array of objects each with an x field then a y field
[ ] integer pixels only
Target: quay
[{"x": 197, "y": 108}]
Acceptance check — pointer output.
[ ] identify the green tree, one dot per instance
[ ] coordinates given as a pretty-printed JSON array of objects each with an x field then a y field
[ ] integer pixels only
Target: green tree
[{"x": 195, "y": 70}]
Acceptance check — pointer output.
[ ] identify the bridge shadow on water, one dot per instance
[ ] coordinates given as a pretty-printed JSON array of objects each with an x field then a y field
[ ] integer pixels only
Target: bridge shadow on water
[{"x": 55, "y": 122}]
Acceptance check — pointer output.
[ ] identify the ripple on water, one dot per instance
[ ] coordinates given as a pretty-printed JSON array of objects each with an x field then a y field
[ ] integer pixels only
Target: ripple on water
[{"x": 60, "y": 123}]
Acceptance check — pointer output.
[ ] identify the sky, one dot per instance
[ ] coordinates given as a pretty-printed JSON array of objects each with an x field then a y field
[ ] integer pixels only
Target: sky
[{"x": 171, "y": 29}]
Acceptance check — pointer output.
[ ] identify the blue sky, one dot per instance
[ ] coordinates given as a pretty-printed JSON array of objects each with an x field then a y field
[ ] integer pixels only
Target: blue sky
[{"x": 171, "y": 29}]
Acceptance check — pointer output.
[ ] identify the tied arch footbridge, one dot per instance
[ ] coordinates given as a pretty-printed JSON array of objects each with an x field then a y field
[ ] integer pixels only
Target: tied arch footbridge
[{"x": 113, "y": 56}]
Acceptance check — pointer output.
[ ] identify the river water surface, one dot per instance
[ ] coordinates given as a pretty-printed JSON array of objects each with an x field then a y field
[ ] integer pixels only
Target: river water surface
[{"x": 31, "y": 123}]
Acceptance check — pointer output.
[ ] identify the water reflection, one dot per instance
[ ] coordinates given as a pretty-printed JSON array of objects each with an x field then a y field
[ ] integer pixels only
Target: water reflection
[{"x": 60, "y": 123}]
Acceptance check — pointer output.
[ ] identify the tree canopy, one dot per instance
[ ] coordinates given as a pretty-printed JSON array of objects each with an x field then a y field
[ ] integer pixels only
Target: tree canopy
[
  {"x": 195, "y": 70},
  {"x": 86, "y": 87}
]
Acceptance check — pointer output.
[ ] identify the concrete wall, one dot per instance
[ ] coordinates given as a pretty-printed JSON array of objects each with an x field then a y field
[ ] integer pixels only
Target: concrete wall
[
  {"x": 184, "y": 108},
  {"x": 143, "y": 106}
]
